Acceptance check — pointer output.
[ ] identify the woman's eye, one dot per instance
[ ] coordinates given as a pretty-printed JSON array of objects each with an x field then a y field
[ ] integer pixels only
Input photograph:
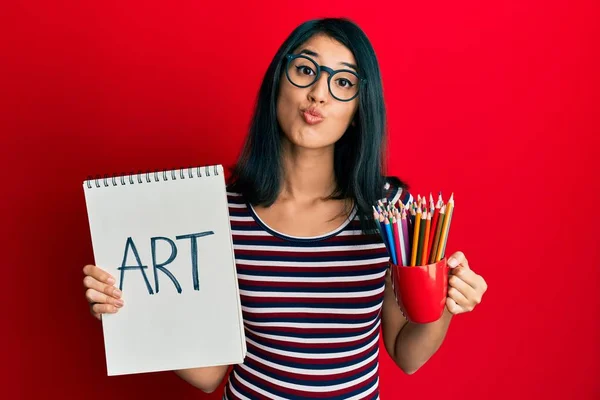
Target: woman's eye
[
  {"x": 305, "y": 70},
  {"x": 345, "y": 83}
]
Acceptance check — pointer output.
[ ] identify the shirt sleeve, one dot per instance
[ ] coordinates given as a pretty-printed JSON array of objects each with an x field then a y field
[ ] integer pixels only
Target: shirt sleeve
[{"x": 394, "y": 193}]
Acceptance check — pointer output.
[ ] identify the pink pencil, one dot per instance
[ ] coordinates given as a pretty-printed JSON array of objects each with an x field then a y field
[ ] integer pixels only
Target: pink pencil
[
  {"x": 434, "y": 222},
  {"x": 399, "y": 252},
  {"x": 405, "y": 232}
]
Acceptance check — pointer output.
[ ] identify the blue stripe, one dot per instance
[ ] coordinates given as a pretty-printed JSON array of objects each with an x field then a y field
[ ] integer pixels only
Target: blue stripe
[
  {"x": 315, "y": 273},
  {"x": 309, "y": 258},
  {"x": 257, "y": 287},
  {"x": 317, "y": 348},
  {"x": 246, "y": 228},
  {"x": 238, "y": 212},
  {"x": 329, "y": 365},
  {"x": 340, "y": 306},
  {"x": 321, "y": 320},
  {"x": 292, "y": 378},
  {"x": 306, "y": 334},
  {"x": 260, "y": 241}
]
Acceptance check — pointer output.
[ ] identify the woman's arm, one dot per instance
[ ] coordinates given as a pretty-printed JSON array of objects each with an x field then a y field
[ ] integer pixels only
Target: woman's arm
[
  {"x": 206, "y": 379},
  {"x": 410, "y": 345}
]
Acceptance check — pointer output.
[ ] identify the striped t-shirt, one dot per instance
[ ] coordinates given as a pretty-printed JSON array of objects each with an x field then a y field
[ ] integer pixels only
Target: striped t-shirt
[{"x": 311, "y": 309}]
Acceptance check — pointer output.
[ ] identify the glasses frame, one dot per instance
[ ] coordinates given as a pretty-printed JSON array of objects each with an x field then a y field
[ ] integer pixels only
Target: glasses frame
[{"x": 331, "y": 72}]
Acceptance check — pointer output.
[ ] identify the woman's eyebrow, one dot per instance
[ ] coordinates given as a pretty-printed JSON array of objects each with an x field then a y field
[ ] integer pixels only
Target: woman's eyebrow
[
  {"x": 313, "y": 54},
  {"x": 309, "y": 52}
]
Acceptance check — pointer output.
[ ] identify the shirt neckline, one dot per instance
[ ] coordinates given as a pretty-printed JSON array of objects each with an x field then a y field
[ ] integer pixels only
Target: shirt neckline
[{"x": 284, "y": 236}]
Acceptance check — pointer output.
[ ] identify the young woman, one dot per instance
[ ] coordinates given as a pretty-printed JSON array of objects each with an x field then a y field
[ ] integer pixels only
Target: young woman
[{"x": 312, "y": 273}]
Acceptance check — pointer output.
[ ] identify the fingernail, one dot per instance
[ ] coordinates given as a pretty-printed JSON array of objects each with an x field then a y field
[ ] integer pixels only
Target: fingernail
[
  {"x": 117, "y": 293},
  {"x": 452, "y": 262},
  {"x": 119, "y": 303},
  {"x": 110, "y": 280}
]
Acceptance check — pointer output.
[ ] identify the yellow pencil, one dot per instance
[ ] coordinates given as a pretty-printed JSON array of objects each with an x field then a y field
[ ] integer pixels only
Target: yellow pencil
[
  {"x": 415, "y": 243},
  {"x": 444, "y": 233},
  {"x": 450, "y": 213}
]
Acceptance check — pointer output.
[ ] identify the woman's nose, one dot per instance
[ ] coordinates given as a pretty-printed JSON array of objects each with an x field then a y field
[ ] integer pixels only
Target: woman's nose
[{"x": 319, "y": 91}]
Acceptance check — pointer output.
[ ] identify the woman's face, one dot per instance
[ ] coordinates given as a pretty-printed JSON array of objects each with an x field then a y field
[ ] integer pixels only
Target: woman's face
[{"x": 310, "y": 117}]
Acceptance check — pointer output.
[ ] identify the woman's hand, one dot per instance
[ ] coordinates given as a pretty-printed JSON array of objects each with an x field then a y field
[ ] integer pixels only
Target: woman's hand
[
  {"x": 101, "y": 294},
  {"x": 465, "y": 287}
]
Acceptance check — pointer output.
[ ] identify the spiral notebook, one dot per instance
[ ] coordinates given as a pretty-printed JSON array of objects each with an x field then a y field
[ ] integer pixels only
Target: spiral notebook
[{"x": 165, "y": 237}]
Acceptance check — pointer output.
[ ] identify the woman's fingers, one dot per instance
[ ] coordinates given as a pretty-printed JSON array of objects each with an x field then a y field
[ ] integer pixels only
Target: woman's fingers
[
  {"x": 102, "y": 296},
  {"x": 108, "y": 290},
  {"x": 458, "y": 297},
  {"x": 94, "y": 296},
  {"x": 461, "y": 286},
  {"x": 99, "y": 274},
  {"x": 98, "y": 309}
]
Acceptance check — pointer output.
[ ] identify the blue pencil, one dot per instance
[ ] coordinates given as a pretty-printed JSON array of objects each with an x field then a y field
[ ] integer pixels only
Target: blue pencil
[{"x": 390, "y": 238}]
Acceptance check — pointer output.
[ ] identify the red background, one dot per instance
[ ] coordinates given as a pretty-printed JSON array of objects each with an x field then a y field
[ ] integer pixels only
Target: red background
[{"x": 506, "y": 93}]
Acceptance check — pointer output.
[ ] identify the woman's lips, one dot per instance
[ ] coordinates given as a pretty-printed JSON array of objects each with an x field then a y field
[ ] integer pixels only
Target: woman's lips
[{"x": 311, "y": 118}]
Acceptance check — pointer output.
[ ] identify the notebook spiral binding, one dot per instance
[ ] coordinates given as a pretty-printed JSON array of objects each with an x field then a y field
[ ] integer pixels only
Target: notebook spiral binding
[{"x": 150, "y": 176}]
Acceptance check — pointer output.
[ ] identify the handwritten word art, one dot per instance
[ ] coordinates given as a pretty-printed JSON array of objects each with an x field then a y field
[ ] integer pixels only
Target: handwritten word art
[{"x": 161, "y": 266}]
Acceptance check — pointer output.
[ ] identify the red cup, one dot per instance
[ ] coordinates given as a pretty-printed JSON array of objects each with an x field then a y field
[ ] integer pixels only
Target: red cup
[{"x": 421, "y": 290}]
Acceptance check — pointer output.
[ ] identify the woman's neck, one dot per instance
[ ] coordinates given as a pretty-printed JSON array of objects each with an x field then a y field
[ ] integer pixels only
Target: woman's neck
[{"x": 308, "y": 174}]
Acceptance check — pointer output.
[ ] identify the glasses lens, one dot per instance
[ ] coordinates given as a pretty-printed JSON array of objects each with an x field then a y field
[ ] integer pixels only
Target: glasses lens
[
  {"x": 302, "y": 71},
  {"x": 344, "y": 85}
]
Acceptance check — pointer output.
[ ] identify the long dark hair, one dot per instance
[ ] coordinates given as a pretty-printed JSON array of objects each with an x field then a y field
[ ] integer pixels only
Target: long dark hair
[{"x": 358, "y": 154}]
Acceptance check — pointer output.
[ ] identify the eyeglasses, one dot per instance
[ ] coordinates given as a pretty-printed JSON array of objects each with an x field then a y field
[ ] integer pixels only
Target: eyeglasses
[{"x": 302, "y": 71}]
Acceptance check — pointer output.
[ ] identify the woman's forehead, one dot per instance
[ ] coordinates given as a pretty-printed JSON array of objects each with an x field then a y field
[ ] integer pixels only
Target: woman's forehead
[{"x": 326, "y": 50}]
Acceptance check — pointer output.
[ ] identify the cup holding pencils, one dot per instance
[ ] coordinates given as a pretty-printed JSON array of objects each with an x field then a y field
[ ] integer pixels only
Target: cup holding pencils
[{"x": 416, "y": 236}]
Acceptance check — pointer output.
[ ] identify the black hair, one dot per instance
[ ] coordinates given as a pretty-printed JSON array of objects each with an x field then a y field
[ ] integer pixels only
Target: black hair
[{"x": 358, "y": 154}]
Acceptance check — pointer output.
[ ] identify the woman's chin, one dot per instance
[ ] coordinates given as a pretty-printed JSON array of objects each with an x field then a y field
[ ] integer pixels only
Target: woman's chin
[
  {"x": 310, "y": 138},
  {"x": 310, "y": 143}
]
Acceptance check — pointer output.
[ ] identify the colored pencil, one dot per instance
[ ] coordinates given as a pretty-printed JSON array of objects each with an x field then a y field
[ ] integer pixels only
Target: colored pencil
[
  {"x": 422, "y": 235},
  {"x": 383, "y": 231},
  {"x": 405, "y": 236},
  {"x": 398, "y": 242},
  {"x": 410, "y": 226},
  {"x": 415, "y": 241},
  {"x": 426, "y": 239},
  {"x": 449, "y": 217},
  {"x": 444, "y": 232},
  {"x": 438, "y": 231},
  {"x": 413, "y": 217},
  {"x": 380, "y": 230},
  {"x": 434, "y": 222},
  {"x": 390, "y": 236}
]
